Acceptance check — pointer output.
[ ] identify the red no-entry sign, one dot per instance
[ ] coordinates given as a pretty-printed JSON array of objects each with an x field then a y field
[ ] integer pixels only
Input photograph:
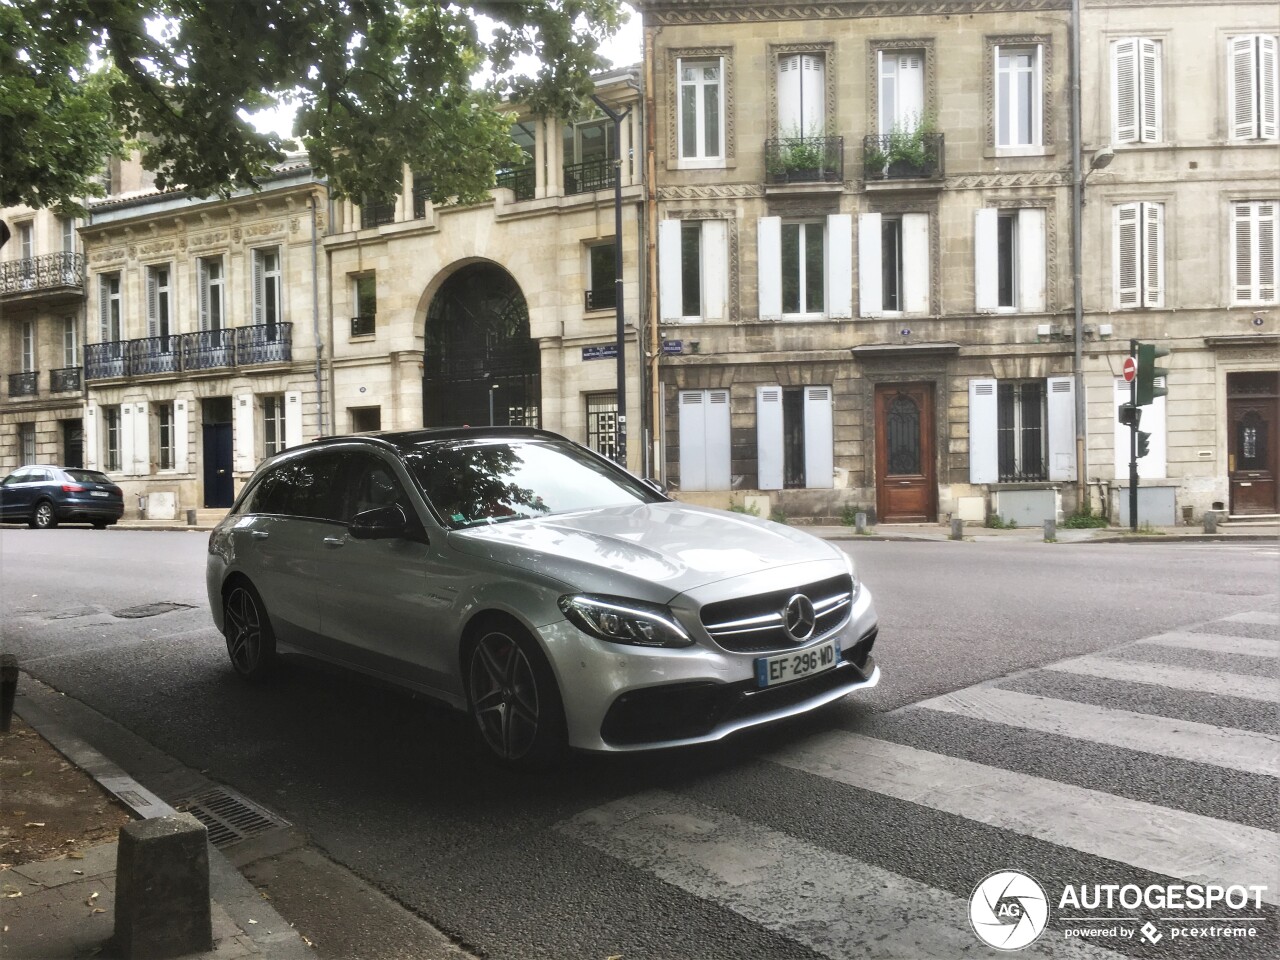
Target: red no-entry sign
[{"x": 1130, "y": 369}]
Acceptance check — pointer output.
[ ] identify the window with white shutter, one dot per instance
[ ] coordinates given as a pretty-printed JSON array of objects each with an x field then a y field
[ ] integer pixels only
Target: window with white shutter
[
  {"x": 893, "y": 264},
  {"x": 901, "y": 94},
  {"x": 1255, "y": 251},
  {"x": 801, "y": 95},
  {"x": 158, "y": 302},
  {"x": 769, "y": 438},
  {"x": 1137, "y": 260},
  {"x": 984, "y": 459},
  {"x": 1136, "y": 91},
  {"x": 109, "y": 307},
  {"x": 693, "y": 270},
  {"x": 267, "y": 299},
  {"x": 704, "y": 439},
  {"x": 804, "y": 259},
  {"x": 1253, "y": 87},
  {"x": 1009, "y": 260},
  {"x": 769, "y": 267},
  {"x": 794, "y": 438},
  {"x": 211, "y": 283}
]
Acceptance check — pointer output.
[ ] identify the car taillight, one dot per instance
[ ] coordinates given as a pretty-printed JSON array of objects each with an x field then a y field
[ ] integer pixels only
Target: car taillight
[{"x": 73, "y": 488}]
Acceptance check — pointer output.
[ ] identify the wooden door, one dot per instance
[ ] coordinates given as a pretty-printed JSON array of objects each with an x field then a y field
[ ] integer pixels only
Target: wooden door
[
  {"x": 906, "y": 488},
  {"x": 1253, "y": 461}
]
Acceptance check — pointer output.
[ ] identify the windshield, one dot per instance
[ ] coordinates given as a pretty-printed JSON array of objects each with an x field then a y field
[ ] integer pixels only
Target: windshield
[
  {"x": 88, "y": 476},
  {"x": 489, "y": 481}
]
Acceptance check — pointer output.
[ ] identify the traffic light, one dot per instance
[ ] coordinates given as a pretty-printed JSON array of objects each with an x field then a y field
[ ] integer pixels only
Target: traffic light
[
  {"x": 1148, "y": 373},
  {"x": 1130, "y": 416},
  {"x": 1144, "y": 444}
]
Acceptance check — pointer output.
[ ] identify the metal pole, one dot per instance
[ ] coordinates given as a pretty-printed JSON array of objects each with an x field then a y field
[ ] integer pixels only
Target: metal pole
[
  {"x": 617, "y": 119},
  {"x": 1133, "y": 444},
  {"x": 1077, "y": 219}
]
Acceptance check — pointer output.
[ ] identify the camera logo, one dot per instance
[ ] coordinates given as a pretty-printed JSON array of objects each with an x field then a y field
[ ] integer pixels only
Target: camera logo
[{"x": 1008, "y": 910}]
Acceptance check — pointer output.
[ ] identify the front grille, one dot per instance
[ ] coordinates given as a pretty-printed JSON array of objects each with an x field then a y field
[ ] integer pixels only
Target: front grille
[{"x": 755, "y": 624}]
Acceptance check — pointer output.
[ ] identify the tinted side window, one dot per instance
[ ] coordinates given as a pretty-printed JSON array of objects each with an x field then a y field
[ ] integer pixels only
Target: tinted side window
[
  {"x": 371, "y": 483},
  {"x": 307, "y": 487}
]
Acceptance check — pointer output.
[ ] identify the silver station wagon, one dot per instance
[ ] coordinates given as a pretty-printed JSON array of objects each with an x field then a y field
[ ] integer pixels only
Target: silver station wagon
[{"x": 527, "y": 580}]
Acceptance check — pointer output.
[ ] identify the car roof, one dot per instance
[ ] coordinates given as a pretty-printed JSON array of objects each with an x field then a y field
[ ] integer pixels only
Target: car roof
[{"x": 404, "y": 441}]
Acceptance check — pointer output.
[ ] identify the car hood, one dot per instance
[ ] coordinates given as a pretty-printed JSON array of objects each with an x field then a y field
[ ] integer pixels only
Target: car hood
[{"x": 646, "y": 551}]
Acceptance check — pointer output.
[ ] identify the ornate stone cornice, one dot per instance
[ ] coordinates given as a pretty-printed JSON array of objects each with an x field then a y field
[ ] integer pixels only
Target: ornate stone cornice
[
  {"x": 712, "y": 191},
  {"x": 987, "y": 181},
  {"x": 678, "y": 12}
]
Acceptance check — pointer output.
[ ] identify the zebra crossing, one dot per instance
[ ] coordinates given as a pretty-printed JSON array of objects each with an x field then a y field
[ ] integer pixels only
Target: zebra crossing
[{"x": 846, "y": 883}]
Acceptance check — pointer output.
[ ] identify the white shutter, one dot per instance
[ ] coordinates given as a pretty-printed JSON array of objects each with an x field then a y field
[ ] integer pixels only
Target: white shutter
[
  {"x": 1151, "y": 97},
  {"x": 693, "y": 440},
  {"x": 717, "y": 434},
  {"x": 1269, "y": 88},
  {"x": 153, "y": 303},
  {"x": 1153, "y": 254},
  {"x": 202, "y": 280},
  {"x": 1062, "y": 428},
  {"x": 1268, "y": 252},
  {"x": 127, "y": 465},
  {"x": 1124, "y": 255},
  {"x": 91, "y": 436},
  {"x": 670, "y": 274},
  {"x": 986, "y": 260},
  {"x": 104, "y": 309},
  {"x": 141, "y": 440},
  {"x": 840, "y": 266},
  {"x": 1124, "y": 85},
  {"x": 910, "y": 90},
  {"x": 789, "y": 86},
  {"x": 1031, "y": 261},
  {"x": 715, "y": 268},
  {"x": 292, "y": 418},
  {"x": 813, "y": 95},
  {"x": 242, "y": 445},
  {"x": 181, "y": 426},
  {"x": 915, "y": 262},
  {"x": 888, "y": 72},
  {"x": 1242, "y": 111},
  {"x": 769, "y": 266},
  {"x": 870, "y": 289},
  {"x": 1242, "y": 252},
  {"x": 819, "y": 461},
  {"x": 984, "y": 455},
  {"x": 769, "y": 451},
  {"x": 258, "y": 284}
]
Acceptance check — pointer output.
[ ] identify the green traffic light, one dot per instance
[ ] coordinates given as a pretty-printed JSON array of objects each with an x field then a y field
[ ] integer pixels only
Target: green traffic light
[
  {"x": 1144, "y": 444},
  {"x": 1148, "y": 373}
]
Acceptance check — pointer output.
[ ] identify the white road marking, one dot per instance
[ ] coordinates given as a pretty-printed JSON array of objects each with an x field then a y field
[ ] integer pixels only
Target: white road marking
[{"x": 1178, "y": 678}]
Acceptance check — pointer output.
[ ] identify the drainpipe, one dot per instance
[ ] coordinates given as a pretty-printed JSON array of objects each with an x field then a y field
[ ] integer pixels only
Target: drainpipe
[
  {"x": 657, "y": 466},
  {"x": 1077, "y": 210},
  {"x": 315, "y": 318}
]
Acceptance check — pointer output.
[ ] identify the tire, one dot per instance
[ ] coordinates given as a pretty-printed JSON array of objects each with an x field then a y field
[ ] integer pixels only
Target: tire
[
  {"x": 513, "y": 698},
  {"x": 43, "y": 516},
  {"x": 100, "y": 524},
  {"x": 251, "y": 644}
]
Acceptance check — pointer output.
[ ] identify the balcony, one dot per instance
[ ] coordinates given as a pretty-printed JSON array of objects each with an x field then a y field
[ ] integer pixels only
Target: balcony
[
  {"x": 364, "y": 326},
  {"x": 804, "y": 160},
  {"x": 52, "y": 272},
  {"x": 24, "y": 384},
  {"x": 603, "y": 298},
  {"x": 64, "y": 380},
  {"x": 520, "y": 181},
  {"x": 190, "y": 352},
  {"x": 589, "y": 176},
  {"x": 375, "y": 213},
  {"x": 899, "y": 156}
]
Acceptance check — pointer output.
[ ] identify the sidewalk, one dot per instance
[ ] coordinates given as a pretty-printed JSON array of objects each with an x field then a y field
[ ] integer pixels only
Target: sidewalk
[
  {"x": 64, "y": 908},
  {"x": 1240, "y": 531}
]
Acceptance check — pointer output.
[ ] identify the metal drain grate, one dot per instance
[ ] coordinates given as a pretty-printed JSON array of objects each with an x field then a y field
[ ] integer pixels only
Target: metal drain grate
[{"x": 229, "y": 817}]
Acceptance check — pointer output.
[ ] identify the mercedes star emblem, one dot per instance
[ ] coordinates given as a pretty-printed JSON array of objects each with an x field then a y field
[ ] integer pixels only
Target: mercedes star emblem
[{"x": 799, "y": 618}]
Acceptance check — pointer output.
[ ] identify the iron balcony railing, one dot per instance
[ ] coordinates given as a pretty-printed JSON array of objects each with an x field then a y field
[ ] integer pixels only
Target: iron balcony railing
[
  {"x": 64, "y": 380},
  {"x": 375, "y": 213},
  {"x": 589, "y": 176},
  {"x": 363, "y": 325},
  {"x": 804, "y": 160},
  {"x": 50, "y": 272},
  {"x": 24, "y": 384},
  {"x": 205, "y": 350},
  {"x": 603, "y": 298},
  {"x": 903, "y": 156},
  {"x": 519, "y": 181}
]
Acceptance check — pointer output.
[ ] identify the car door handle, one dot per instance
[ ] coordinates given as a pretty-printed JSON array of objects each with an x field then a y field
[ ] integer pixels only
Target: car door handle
[
  {"x": 335, "y": 541},
  {"x": 259, "y": 534}
]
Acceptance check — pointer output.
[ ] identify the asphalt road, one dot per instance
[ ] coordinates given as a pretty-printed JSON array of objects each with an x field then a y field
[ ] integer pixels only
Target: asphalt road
[{"x": 792, "y": 843}]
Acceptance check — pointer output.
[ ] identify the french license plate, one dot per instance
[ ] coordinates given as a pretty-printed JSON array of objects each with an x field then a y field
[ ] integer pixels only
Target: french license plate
[
  {"x": 99, "y": 493},
  {"x": 771, "y": 671}
]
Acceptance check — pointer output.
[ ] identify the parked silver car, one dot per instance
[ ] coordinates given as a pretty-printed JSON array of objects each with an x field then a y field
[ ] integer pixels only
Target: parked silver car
[{"x": 521, "y": 577}]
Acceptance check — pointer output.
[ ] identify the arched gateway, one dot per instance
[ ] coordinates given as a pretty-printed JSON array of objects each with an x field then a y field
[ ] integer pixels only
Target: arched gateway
[{"x": 480, "y": 365}]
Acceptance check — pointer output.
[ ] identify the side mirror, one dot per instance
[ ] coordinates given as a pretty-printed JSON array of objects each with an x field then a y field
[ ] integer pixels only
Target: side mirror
[
  {"x": 382, "y": 523},
  {"x": 653, "y": 485}
]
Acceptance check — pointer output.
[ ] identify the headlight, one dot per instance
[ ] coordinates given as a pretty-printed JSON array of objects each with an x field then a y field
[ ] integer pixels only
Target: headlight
[{"x": 620, "y": 620}]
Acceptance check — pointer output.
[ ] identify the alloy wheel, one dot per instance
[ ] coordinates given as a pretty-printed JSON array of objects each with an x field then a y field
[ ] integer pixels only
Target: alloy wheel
[
  {"x": 504, "y": 696},
  {"x": 244, "y": 631},
  {"x": 44, "y": 515}
]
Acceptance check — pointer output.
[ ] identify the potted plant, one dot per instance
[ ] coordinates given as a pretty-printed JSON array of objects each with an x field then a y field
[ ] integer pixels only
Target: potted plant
[
  {"x": 799, "y": 158},
  {"x": 910, "y": 150}
]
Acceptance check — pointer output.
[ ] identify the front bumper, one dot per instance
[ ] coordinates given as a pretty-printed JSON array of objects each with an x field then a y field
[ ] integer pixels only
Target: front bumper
[{"x": 619, "y": 698}]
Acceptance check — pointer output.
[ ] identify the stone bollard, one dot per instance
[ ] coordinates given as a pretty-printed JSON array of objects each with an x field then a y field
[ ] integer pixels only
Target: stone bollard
[
  {"x": 957, "y": 528},
  {"x": 8, "y": 689},
  {"x": 162, "y": 889},
  {"x": 860, "y": 523},
  {"x": 1211, "y": 521},
  {"x": 191, "y": 518},
  {"x": 1050, "y": 530}
]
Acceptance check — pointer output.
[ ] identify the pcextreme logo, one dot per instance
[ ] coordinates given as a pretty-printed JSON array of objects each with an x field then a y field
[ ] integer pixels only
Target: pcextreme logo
[{"x": 1008, "y": 910}]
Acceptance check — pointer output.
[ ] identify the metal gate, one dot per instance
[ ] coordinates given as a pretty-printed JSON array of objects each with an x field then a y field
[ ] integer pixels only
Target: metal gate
[{"x": 480, "y": 365}]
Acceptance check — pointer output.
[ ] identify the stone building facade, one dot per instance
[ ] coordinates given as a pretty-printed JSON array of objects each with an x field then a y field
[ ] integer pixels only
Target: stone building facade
[{"x": 864, "y": 227}]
